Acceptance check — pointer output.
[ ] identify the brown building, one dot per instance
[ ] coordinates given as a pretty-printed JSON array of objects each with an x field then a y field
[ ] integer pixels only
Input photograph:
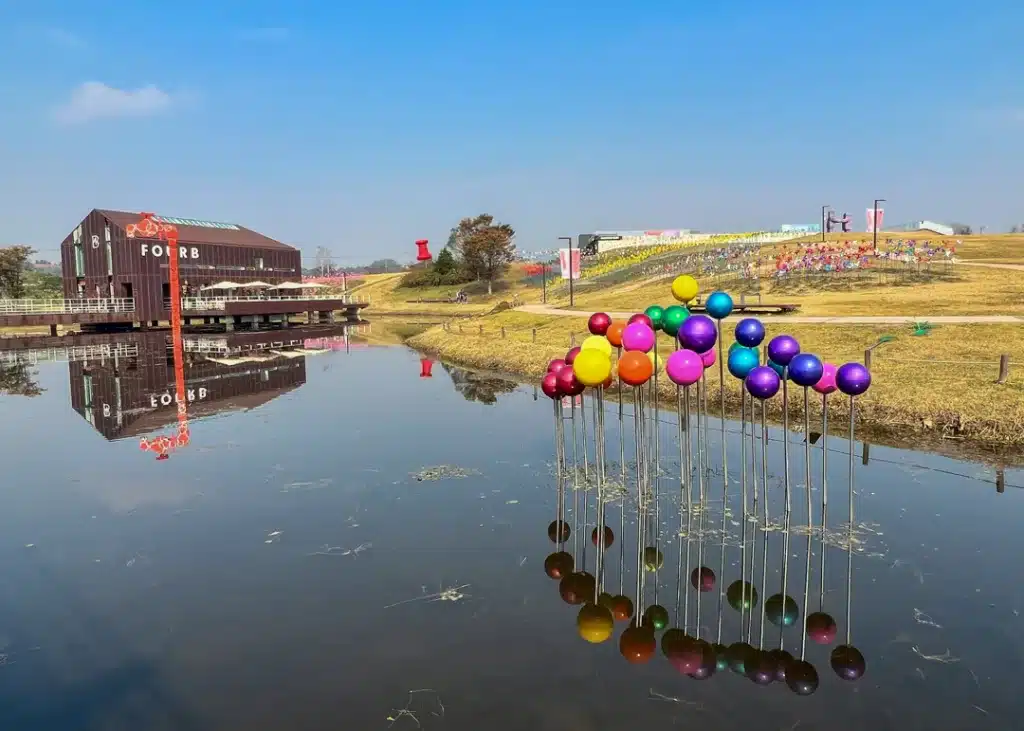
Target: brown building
[
  {"x": 133, "y": 396},
  {"x": 99, "y": 261}
]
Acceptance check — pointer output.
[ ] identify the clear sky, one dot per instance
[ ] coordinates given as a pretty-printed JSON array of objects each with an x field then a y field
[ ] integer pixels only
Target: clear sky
[{"x": 363, "y": 126}]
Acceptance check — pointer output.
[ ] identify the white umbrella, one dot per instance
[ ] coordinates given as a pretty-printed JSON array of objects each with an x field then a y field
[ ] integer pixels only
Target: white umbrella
[
  {"x": 256, "y": 284},
  {"x": 222, "y": 285},
  {"x": 290, "y": 285}
]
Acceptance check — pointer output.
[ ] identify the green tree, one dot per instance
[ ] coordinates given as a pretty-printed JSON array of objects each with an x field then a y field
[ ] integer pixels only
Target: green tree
[
  {"x": 16, "y": 379},
  {"x": 465, "y": 230},
  {"x": 488, "y": 250},
  {"x": 13, "y": 264}
]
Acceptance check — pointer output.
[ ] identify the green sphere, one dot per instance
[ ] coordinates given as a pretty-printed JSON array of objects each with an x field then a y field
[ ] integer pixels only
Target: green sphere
[
  {"x": 739, "y": 346},
  {"x": 673, "y": 319},
  {"x": 656, "y": 617},
  {"x": 781, "y": 610},
  {"x": 741, "y": 595},
  {"x": 657, "y": 315}
]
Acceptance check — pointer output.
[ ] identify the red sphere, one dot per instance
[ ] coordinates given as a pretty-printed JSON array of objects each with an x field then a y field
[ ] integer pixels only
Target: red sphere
[
  {"x": 558, "y": 565},
  {"x": 682, "y": 651},
  {"x": 821, "y": 628},
  {"x": 609, "y": 537},
  {"x": 558, "y": 531},
  {"x": 703, "y": 579},
  {"x": 556, "y": 365},
  {"x": 622, "y": 607},
  {"x": 549, "y": 385},
  {"x": 637, "y": 644},
  {"x": 577, "y": 587},
  {"x": 571, "y": 355},
  {"x": 599, "y": 323},
  {"x": 568, "y": 384},
  {"x": 641, "y": 317}
]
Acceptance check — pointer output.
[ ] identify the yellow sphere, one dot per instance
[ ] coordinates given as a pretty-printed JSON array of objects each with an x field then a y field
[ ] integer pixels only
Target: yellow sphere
[
  {"x": 656, "y": 361},
  {"x": 595, "y": 623},
  {"x": 684, "y": 288},
  {"x": 599, "y": 343},
  {"x": 592, "y": 367}
]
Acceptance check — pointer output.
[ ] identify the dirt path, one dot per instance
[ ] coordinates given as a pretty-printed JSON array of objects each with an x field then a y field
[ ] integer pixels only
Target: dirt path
[
  {"x": 988, "y": 265},
  {"x": 805, "y": 319}
]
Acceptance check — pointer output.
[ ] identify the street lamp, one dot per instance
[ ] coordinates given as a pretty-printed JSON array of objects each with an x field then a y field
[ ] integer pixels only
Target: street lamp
[
  {"x": 569, "y": 239},
  {"x": 824, "y": 210},
  {"x": 874, "y": 223}
]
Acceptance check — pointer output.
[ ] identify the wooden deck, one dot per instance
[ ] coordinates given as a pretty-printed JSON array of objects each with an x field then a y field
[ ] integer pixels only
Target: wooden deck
[{"x": 753, "y": 309}]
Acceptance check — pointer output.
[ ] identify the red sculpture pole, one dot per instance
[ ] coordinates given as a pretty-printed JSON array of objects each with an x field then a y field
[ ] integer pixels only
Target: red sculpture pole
[{"x": 148, "y": 228}]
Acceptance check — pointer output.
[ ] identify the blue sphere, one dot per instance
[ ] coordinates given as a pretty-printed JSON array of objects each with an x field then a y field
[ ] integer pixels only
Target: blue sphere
[
  {"x": 718, "y": 305},
  {"x": 805, "y": 369},
  {"x": 742, "y": 361},
  {"x": 749, "y": 332}
]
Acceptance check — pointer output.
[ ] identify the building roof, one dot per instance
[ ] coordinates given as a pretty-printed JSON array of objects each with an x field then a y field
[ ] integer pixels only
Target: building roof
[{"x": 203, "y": 232}]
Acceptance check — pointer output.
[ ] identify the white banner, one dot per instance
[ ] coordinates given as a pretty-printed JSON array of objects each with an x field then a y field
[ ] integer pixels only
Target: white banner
[
  {"x": 563, "y": 261},
  {"x": 872, "y": 223}
]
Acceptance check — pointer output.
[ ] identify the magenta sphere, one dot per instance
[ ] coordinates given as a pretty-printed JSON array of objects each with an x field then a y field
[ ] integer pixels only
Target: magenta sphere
[
  {"x": 568, "y": 384},
  {"x": 782, "y": 349},
  {"x": 641, "y": 317},
  {"x": 698, "y": 333},
  {"x": 708, "y": 357},
  {"x": 571, "y": 355},
  {"x": 684, "y": 367},
  {"x": 827, "y": 383},
  {"x": 821, "y": 628},
  {"x": 762, "y": 382},
  {"x": 556, "y": 365},
  {"x": 853, "y": 379},
  {"x": 549, "y": 385},
  {"x": 599, "y": 323},
  {"x": 638, "y": 336},
  {"x": 702, "y": 579}
]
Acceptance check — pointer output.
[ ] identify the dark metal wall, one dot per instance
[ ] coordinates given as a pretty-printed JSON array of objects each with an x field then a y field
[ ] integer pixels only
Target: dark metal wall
[{"x": 140, "y": 272}]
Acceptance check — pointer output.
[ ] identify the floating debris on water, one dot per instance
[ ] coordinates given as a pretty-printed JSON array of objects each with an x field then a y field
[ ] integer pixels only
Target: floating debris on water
[{"x": 442, "y": 472}]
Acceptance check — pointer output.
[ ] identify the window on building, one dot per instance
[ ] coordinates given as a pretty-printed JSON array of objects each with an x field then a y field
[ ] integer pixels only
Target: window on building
[
  {"x": 79, "y": 261},
  {"x": 110, "y": 257},
  {"x": 106, "y": 233},
  {"x": 259, "y": 263}
]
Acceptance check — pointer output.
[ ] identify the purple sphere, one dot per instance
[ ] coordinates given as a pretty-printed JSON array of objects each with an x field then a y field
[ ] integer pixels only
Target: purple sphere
[
  {"x": 806, "y": 369},
  {"x": 698, "y": 333},
  {"x": 782, "y": 349},
  {"x": 762, "y": 382},
  {"x": 853, "y": 379},
  {"x": 749, "y": 332}
]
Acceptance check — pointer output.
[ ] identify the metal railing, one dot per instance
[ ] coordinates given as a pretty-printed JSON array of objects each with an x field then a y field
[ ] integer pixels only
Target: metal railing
[
  {"x": 65, "y": 307},
  {"x": 71, "y": 353},
  {"x": 219, "y": 303}
]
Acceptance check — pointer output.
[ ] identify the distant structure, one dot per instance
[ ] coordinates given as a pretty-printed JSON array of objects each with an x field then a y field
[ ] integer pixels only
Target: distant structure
[
  {"x": 939, "y": 228},
  {"x": 832, "y": 221}
]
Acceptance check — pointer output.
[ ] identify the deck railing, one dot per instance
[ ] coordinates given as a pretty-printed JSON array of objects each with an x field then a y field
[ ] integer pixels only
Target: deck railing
[
  {"x": 70, "y": 353},
  {"x": 65, "y": 307},
  {"x": 219, "y": 303}
]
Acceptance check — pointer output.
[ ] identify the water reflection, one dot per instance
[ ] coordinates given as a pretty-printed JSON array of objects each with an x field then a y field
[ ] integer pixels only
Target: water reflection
[
  {"x": 16, "y": 379},
  {"x": 483, "y": 388}
]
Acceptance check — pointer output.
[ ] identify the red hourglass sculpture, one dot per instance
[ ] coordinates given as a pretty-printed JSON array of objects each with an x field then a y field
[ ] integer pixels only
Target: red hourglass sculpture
[{"x": 422, "y": 253}]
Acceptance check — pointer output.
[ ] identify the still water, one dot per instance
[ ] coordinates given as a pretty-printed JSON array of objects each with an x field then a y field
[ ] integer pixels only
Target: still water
[{"x": 345, "y": 542}]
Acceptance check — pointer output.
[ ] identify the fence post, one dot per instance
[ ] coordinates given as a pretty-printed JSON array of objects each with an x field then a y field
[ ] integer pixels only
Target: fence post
[
  {"x": 572, "y": 340},
  {"x": 481, "y": 329},
  {"x": 1004, "y": 367},
  {"x": 535, "y": 335},
  {"x": 867, "y": 359},
  {"x": 502, "y": 332},
  {"x": 460, "y": 328}
]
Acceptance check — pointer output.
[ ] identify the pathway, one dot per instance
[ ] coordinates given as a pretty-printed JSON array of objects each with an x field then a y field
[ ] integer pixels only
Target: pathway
[{"x": 833, "y": 320}]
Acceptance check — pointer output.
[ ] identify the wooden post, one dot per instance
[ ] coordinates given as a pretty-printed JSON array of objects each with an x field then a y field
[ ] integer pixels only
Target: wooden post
[
  {"x": 865, "y": 450},
  {"x": 867, "y": 359},
  {"x": 1004, "y": 367},
  {"x": 572, "y": 340},
  {"x": 1000, "y": 480},
  {"x": 502, "y": 332},
  {"x": 535, "y": 335},
  {"x": 481, "y": 329},
  {"x": 460, "y": 328}
]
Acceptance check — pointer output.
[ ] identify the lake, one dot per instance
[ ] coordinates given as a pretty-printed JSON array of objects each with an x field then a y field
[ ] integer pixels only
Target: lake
[{"x": 355, "y": 537}]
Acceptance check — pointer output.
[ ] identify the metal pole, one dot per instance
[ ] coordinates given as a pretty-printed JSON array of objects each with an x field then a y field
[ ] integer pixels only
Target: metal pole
[
  {"x": 824, "y": 210},
  {"x": 571, "y": 293},
  {"x": 874, "y": 224},
  {"x": 544, "y": 281}
]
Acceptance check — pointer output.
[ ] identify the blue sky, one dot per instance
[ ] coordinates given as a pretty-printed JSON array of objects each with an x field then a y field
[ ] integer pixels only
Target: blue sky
[{"x": 363, "y": 126}]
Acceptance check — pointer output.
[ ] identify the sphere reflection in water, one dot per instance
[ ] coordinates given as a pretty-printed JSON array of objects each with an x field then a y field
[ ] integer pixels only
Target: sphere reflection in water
[
  {"x": 577, "y": 587},
  {"x": 741, "y": 595},
  {"x": 782, "y": 659},
  {"x": 781, "y": 610},
  {"x": 821, "y": 628},
  {"x": 637, "y": 643},
  {"x": 622, "y": 608},
  {"x": 721, "y": 657},
  {"x": 653, "y": 559},
  {"x": 681, "y": 651},
  {"x": 707, "y": 665},
  {"x": 761, "y": 667},
  {"x": 594, "y": 623},
  {"x": 558, "y": 531},
  {"x": 609, "y": 537},
  {"x": 656, "y": 617},
  {"x": 802, "y": 678},
  {"x": 739, "y": 655},
  {"x": 848, "y": 663},
  {"x": 703, "y": 579},
  {"x": 558, "y": 565}
]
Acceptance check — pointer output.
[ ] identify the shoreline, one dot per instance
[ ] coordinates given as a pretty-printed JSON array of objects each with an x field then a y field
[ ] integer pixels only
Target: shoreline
[{"x": 942, "y": 433}]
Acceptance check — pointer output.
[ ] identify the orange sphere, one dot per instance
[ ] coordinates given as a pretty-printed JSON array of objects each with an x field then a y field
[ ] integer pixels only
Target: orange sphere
[
  {"x": 637, "y": 644},
  {"x": 558, "y": 565},
  {"x": 594, "y": 623},
  {"x": 635, "y": 368},
  {"x": 577, "y": 587},
  {"x": 622, "y": 607},
  {"x": 614, "y": 333}
]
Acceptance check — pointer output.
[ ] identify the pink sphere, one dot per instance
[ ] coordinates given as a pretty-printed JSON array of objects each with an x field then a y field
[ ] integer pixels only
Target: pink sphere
[
  {"x": 708, "y": 357},
  {"x": 556, "y": 365},
  {"x": 599, "y": 323},
  {"x": 638, "y": 336},
  {"x": 571, "y": 355},
  {"x": 827, "y": 383},
  {"x": 684, "y": 367},
  {"x": 550, "y": 386},
  {"x": 568, "y": 384}
]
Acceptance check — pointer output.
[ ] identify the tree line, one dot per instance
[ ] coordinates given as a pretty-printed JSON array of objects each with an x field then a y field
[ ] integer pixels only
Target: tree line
[{"x": 479, "y": 249}]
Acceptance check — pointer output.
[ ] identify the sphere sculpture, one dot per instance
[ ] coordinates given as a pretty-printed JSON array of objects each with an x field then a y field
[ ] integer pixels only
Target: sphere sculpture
[
  {"x": 762, "y": 382},
  {"x": 761, "y": 667},
  {"x": 741, "y": 595},
  {"x": 827, "y": 383},
  {"x": 638, "y": 336},
  {"x": 801, "y": 677},
  {"x": 848, "y": 663},
  {"x": 719, "y": 305},
  {"x": 656, "y": 314},
  {"x": 635, "y": 368},
  {"x": 782, "y": 349},
  {"x": 698, "y": 333},
  {"x": 749, "y": 332},
  {"x": 556, "y": 365},
  {"x": 739, "y": 655},
  {"x": 741, "y": 361},
  {"x": 780, "y": 369},
  {"x": 708, "y": 664},
  {"x": 821, "y": 628},
  {"x": 549, "y": 385},
  {"x": 614, "y": 333},
  {"x": 571, "y": 355},
  {"x": 577, "y": 587},
  {"x": 681, "y": 651},
  {"x": 806, "y": 369},
  {"x": 609, "y": 537},
  {"x": 703, "y": 579},
  {"x": 781, "y": 659},
  {"x": 653, "y": 559},
  {"x": 684, "y": 288},
  {"x": 592, "y": 367},
  {"x": 599, "y": 323},
  {"x": 568, "y": 384},
  {"x": 640, "y": 317},
  {"x": 637, "y": 643},
  {"x": 558, "y": 531},
  {"x": 673, "y": 319},
  {"x": 781, "y": 610},
  {"x": 558, "y": 565},
  {"x": 594, "y": 623},
  {"x": 596, "y": 342},
  {"x": 684, "y": 367},
  {"x": 853, "y": 379},
  {"x": 656, "y": 617},
  {"x": 622, "y": 607}
]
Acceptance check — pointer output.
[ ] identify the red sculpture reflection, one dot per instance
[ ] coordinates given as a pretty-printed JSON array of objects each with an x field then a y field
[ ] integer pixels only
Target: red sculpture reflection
[{"x": 426, "y": 366}]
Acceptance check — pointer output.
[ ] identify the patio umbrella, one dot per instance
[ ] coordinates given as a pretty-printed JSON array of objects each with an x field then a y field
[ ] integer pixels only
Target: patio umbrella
[
  {"x": 256, "y": 284},
  {"x": 222, "y": 285}
]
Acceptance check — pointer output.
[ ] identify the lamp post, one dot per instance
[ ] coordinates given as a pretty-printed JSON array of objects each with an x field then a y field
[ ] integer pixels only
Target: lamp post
[
  {"x": 569, "y": 239},
  {"x": 824, "y": 212},
  {"x": 874, "y": 224},
  {"x": 544, "y": 281}
]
